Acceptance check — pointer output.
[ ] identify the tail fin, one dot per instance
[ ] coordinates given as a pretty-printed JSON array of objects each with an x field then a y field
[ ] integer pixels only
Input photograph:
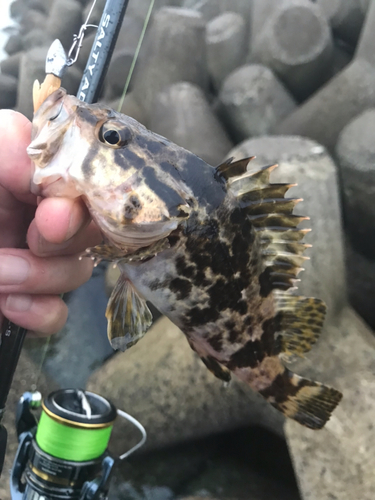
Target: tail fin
[{"x": 309, "y": 403}]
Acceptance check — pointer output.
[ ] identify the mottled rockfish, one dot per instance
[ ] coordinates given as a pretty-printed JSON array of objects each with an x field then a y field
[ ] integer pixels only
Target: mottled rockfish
[{"x": 216, "y": 250}]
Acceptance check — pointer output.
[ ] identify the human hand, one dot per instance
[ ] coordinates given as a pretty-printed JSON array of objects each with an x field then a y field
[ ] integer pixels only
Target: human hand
[{"x": 56, "y": 232}]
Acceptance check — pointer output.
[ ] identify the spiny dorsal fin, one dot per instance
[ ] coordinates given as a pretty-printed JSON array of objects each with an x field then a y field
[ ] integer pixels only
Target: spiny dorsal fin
[
  {"x": 252, "y": 181},
  {"x": 300, "y": 320},
  {"x": 283, "y": 206},
  {"x": 281, "y": 234},
  {"x": 268, "y": 192},
  {"x": 277, "y": 221},
  {"x": 233, "y": 169},
  {"x": 271, "y": 214}
]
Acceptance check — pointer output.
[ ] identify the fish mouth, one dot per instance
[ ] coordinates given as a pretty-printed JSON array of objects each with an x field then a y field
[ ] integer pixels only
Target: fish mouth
[
  {"x": 33, "y": 152},
  {"x": 40, "y": 188}
]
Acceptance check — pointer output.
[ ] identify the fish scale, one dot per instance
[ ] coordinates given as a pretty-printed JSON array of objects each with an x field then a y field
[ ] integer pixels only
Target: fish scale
[{"x": 217, "y": 250}]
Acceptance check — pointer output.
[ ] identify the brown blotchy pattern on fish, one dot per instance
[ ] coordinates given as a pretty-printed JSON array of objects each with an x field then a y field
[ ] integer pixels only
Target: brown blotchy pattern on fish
[
  {"x": 215, "y": 249},
  {"x": 218, "y": 258}
]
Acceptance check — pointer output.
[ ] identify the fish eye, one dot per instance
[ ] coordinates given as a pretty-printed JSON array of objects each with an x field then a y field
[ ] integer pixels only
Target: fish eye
[
  {"x": 111, "y": 137},
  {"x": 57, "y": 114},
  {"x": 114, "y": 136}
]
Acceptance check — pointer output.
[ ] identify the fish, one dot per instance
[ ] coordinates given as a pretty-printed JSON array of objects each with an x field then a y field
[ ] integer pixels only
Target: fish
[{"x": 216, "y": 249}]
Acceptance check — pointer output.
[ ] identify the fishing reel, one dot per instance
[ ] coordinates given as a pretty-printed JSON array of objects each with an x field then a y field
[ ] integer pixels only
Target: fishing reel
[{"x": 64, "y": 456}]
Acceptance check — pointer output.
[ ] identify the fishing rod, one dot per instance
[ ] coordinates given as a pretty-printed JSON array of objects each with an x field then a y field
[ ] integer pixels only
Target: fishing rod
[{"x": 64, "y": 455}]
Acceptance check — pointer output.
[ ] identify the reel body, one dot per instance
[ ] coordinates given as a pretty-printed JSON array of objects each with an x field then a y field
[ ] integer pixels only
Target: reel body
[{"x": 64, "y": 456}]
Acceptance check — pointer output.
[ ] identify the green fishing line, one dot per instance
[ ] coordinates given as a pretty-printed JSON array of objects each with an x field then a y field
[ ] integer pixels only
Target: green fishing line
[
  {"x": 132, "y": 66},
  {"x": 70, "y": 442}
]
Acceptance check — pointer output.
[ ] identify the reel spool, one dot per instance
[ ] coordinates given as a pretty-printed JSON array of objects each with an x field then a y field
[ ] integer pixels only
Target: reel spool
[{"x": 64, "y": 456}]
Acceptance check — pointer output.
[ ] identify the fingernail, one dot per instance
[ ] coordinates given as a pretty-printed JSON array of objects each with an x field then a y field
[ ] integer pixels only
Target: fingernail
[
  {"x": 18, "y": 303},
  {"x": 75, "y": 221},
  {"x": 13, "y": 270},
  {"x": 46, "y": 247}
]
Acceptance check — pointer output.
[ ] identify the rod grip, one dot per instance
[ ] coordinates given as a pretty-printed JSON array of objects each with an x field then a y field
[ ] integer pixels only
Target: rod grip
[{"x": 11, "y": 341}]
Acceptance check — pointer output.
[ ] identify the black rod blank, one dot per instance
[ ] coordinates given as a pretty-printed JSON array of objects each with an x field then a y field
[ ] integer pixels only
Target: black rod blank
[{"x": 101, "y": 50}]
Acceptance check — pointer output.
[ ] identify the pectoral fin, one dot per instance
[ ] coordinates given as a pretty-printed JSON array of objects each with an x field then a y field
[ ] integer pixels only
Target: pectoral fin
[
  {"x": 128, "y": 316},
  {"x": 219, "y": 370}
]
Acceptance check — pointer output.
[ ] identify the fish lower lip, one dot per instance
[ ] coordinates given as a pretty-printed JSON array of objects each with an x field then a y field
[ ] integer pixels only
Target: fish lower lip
[
  {"x": 38, "y": 189},
  {"x": 33, "y": 152}
]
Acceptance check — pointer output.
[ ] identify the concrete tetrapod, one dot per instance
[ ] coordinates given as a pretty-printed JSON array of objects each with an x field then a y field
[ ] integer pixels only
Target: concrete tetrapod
[
  {"x": 252, "y": 101},
  {"x": 296, "y": 43},
  {"x": 345, "y": 16},
  {"x": 182, "y": 114},
  {"x": 329, "y": 110},
  {"x": 355, "y": 152},
  {"x": 175, "y": 51},
  {"x": 65, "y": 19},
  {"x": 344, "y": 97},
  {"x": 338, "y": 461},
  {"x": 226, "y": 39}
]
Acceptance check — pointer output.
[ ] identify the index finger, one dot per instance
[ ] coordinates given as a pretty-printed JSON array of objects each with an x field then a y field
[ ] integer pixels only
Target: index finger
[{"x": 16, "y": 168}]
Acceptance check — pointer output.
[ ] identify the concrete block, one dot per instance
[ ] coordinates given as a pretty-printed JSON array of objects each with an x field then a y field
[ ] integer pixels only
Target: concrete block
[
  {"x": 82, "y": 344},
  {"x": 208, "y": 9},
  {"x": 130, "y": 107},
  {"x": 213, "y": 8},
  {"x": 72, "y": 79},
  {"x": 182, "y": 114},
  {"x": 8, "y": 91},
  {"x": 345, "y": 16},
  {"x": 96, "y": 13},
  {"x": 328, "y": 111},
  {"x": 41, "y": 5},
  {"x": 355, "y": 152},
  {"x": 337, "y": 462},
  {"x": 118, "y": 72},
  {"x": 296, "y": 43},
  {"x": 175, "y": 51},
  {"x": 227, "y": 45},
  {"x": 365, "y": 47},
  {"x": 361, "y": 283},
  {"x": 31, "y": 68},
  {"x": 14, "y": 44},
  {"x": 342, "y": 57},
  {"x": 364, "y": 5},
  {"x": 17, "y": 9},
  {"x": 139, "y": 8},
  {"x": 36, "y": 38},
  {"x": 261, "y": 11},
  {"x": 136, "y": 9},
  {"x": 11, "y": 65},
  {"x": 123, "y": 56},
  {"x": 33, "y": 20},
  {"x": 65, "y": 19},
  {"x": 165, "y": 385},
  {"x": 130, "y": 33},
  {"x": 86, "y": 49},
  {"x": 253, "y": 101}
]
